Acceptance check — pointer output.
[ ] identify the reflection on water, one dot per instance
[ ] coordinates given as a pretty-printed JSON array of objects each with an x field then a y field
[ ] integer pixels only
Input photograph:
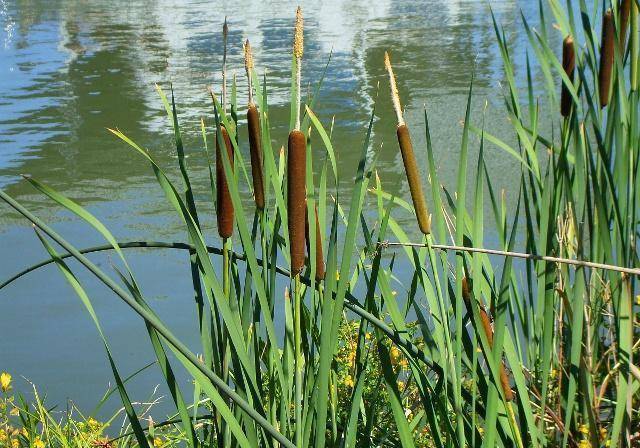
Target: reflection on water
[{"x": 71, "y": 68}]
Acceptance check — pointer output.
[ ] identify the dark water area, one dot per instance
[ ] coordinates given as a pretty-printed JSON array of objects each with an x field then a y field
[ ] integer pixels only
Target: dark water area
[{"x": 71, "y": 69}]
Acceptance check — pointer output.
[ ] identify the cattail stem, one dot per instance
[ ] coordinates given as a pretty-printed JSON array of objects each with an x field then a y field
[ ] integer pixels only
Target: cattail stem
[
  {"x": 408, "y": 157},
  {"x": 225, "y": 335},
  {"x": 606, "y": 57},
  {"x": 568, "y": 64},
  {"x": 296, "y": 198},
  {"x": 224, "y": 210},
  {"x": 299, "y": 361},
  {"x": 488, "y": 331},
  {"x": 318, "y": 256}
]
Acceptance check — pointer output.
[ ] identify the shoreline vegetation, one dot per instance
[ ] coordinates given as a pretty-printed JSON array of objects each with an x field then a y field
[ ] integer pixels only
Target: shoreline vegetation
[{"x": 465, "y": 349}]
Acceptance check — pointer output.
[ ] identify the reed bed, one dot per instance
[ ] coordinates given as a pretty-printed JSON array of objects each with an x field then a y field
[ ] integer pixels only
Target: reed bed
[{"x": 466, "y": 347}]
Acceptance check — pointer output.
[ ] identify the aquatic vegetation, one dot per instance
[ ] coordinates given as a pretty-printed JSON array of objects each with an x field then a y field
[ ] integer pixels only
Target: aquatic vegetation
[{"x": 387, "y": 340}]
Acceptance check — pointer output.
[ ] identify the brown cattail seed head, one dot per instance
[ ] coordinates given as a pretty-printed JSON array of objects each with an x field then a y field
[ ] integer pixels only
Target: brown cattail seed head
[
  {"x": 488, "y": 331},
  {"x": 319, "y": 256},
  {"x": 413, "y": 177},
  {"x": 625, "y": 11},
  {"x": 606, "y": 57},
  {"x": 224, "y": 204},
  {"x": 255, "y": 150},
  {"x": 296, "y": 198},
  {"x": 298, "y": 36},
  {"x": 568, "y": 64}
]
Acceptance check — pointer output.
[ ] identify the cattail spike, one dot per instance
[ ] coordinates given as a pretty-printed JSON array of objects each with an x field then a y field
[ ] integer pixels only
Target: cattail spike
[
  {"x": 248, "y": 57},
  {"x": 408, "y": 157},
  {"x": 298, "y": 36},
  {"x": 413, "y": 177},
  {"x": 298, "y": 49},
  {"x": 224, "y": 209},
  {"x": 248, "y": 67},
  {"x": 225, "y": 34},
  {"x": 296, "y": 198},
  {"x": 625, "y": 11},
  {"x": 488, "y": 331},
  {"x": 395, "y": 97},
  {"x": 568, "y": 64},
  {"x": 606, "y": 57},
  {"x": 255, "y": 151}
]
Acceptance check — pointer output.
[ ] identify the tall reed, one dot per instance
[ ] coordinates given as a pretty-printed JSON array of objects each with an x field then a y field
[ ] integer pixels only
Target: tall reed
[{"x": 408, "y": 156}]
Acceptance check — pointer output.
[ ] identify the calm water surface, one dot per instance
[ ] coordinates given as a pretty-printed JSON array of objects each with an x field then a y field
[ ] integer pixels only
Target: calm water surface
[{"x": 70, "y": 69}]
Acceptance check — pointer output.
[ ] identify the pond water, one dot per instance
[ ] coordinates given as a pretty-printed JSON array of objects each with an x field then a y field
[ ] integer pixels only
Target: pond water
[{"x": 70, "y": 69}]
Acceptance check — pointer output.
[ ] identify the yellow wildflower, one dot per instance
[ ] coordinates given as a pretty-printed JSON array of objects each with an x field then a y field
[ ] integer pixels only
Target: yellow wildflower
[
  {"x": 348, "y": 381},
  {"x": 584, "y": 443},
  {"x": 584, "y": 429},
  {"x": 5, "y": 381},
  {"x": 38, "y": 443},
  {"x": 94, "y": 425},
  {"x": 15, "y": 443},
  {"x": 3, "y": 435},
  {"x": 394, "y": 354},
  {"x": 14, "y": 411},
  {"x": 158, "y": 442},
  {"x": 603, "y": 433}
]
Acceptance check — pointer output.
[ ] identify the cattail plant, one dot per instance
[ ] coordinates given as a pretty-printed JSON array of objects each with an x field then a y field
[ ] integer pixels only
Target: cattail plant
[
  {"x": 225, "y": 206},
  {"x": 296, "y": 167},
  {"x": 606, "y": 57},
  {"x": 408, "y": 157},
  {"x": 319, "y": 255},
  {"x": 296, "y": 209},
  {"x": 255, "y": 144},
  {"x": 568, "y": 64}
]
